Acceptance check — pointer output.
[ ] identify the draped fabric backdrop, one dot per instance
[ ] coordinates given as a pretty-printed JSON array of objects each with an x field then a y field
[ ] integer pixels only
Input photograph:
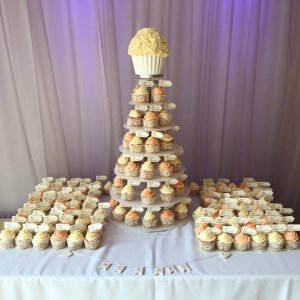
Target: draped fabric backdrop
[{"x": 66, "y": 77}]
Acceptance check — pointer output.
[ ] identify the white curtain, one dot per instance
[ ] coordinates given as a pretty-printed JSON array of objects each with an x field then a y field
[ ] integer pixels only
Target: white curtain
[{"x": 66, "y": 77}]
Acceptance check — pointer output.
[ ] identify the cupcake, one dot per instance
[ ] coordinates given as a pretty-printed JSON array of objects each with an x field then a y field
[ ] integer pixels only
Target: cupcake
[
  {"x": 165, "y": 169},
  {"x": 149, "y": 219},
  {"x": 207, "y": 240},
  {"x": 113, "y": 203},
  {"x": 59, "y": 239},
  {"x": 101, "y": 214},
  {"x": 166, "y": 142},
  {"x": 7, "y": 239},
  {"x": 92, "y": 240},
  {"x": 181, "y": 211},
  {"x": 150, "y": 119},
  {"x": 41, "y": 240},
  {"x": 178, "y": 189},
  {"x": 164, "y": 118},
  {"x": 224, "y": 241},
  {"x": 176, "y": 164},
  {"x": 242, "y": 242},
  {"x": 158, "y": 94},
  {"x": 148, "y": 50},
  {"x": 118, "y": 184},
  {"x": 136, "y": 145},
  {"x": 133, "y": 91},
  {"x": 128, "y": 193},
  {"x": 24, "y": 239},
  {"x": 119, "y": 213},
  {"x": 121, "y": 163},
  {"x": 291, "y": 240},
  {"x": 132, "y": 169},
  {"x": 135, "y": 118},
  {"x": 152, "y": 145},
  {"x": 199, "y": 228},
  {"x": 167, "y": 217},
  {"x": 127, "y": 139},
  {"x": 166, "y": 193},
  {"x": 132, "y": 218},
  {"x": 275, "y": 241},
  {"x": 141, "y": 95},
  {"x": 198, "y": 213},
  {"x": 148, "y": 196},
  {"x": 75, "y": 240},
  {"x": 107, "y": 187},
  {"x": 259, "y": 241},
  {"x": 147, "y": 170},
  {"x": 195, "y": 189}
]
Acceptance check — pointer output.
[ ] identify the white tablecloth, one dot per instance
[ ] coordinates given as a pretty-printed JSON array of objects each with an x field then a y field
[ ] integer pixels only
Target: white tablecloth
[{"x": 34, "y": 275}]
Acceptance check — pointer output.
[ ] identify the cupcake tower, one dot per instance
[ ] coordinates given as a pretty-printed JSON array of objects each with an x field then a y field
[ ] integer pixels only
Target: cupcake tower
[
  {"x": 242, "y": 217},
  {"x": 150, "y": 184},
  {"x": 60, "y": 213}
]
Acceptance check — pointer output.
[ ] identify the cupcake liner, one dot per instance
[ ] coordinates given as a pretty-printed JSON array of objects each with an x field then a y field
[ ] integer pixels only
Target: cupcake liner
[
  {"x": 259, "y": 246},
  {"x": 131, "y": 173},
  {"x": 276, "y": 246},
  {"x": 92, "y": 245},
  {"x": 40, "y": 245},
  {"x": 167, "y": 198},
  {"x": 242, "y": 247},
  {"x": 58, "y": 244},
  {"x": 167, "y": 222},
  {"x": 224, "y": 246},
  {"x": 178, "y": 192},
  {"x": 148, "y": 200},
  {"x": 146, "y": 175},
  {"x": 292, "y": 245},
  {"x": 181, "y": 215},
  {"x": 152, "y": 148},
  {"x": 23, "y": 244},
  {"x": 118, "y": 217},
  {"x": 164, "y": 122},
  {"x": 141, "y": 98},
  {"x": 134, "y": 122},
  {"x": 7, "y": 244},
  {"x": 148, "y": 64},
  {"x": 158, "y": 98},
  {"x": 165, "y": 173},
  {"x": 128, "y": 197},
  {"x": 207, "y": 246},
  {"x": 149, "y": 223},
  {"x": 73, "y": 246},
  {"x": 150, "y": 123},
  {"x": 132, "y": 222},
  {"x": 166, "y": 146},
  {"x": 136, "y": 148}
]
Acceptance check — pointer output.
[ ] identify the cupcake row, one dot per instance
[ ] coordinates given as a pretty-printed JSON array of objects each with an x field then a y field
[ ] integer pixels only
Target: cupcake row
[
  {"x": 149, "y": 145},
  {"x": 150, "y": 119},
  {"x": 142, "y": 94},
  {"x": 151, "y": 219}
]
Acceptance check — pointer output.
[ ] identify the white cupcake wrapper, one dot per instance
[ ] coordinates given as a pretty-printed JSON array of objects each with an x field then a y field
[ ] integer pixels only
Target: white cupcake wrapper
[
  {"x": 146, "y": 175},
  {"x": 92, "y": 245},
  {"x": 147, "y": 200},
  {"x": 259, "y": 246},
  {"x": 118, "y": 217},
  {"x": 152, "y": 148},
  {"x": 23, "y": 244},
  {"x": 207, "y": 246},
  {"x": 242, "y": 247},
  {"x": 291, "y": 245},
  {"x": 73, "y": 246},
  {"x": 7, "y": 244},
  {"x": 148, "y": 64},
  {"x": 40, "y": 245},
  {"x": 136, "y": 148},
  {"x": 150, "y": 123},
  {"x": 131, "y": 222},
  {"x": 167, "y": 198},
  {"x": 167, "y": 222},
  {"x": 150, "y": 223},
  {"x": 224, "y": 246},
  {"x": 56, "y": 244}
]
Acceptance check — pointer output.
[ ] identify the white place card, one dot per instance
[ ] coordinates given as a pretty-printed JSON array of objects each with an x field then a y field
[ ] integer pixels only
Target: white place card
[{"x": 165, "y": 83}]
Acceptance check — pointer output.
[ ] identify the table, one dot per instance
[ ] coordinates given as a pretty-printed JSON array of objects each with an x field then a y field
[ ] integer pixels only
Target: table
[{"x": 34, "y": 275}]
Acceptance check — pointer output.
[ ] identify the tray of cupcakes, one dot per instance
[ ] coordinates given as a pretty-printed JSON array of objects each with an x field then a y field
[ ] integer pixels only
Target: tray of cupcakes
[
  {"x": 60, "y": 213},
  {"x": 243, "y": 217}
]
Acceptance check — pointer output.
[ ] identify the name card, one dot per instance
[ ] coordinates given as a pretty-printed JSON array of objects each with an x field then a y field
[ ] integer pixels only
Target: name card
[
  {"x": 153, "y": 184},
  {"x": 146, "y": 83},
  {"x": 230, "y": 229},
  {"x": 204, "y": 220},
  {"x": 138, "y": 209},
  {"x": 66, "y": 218},
  {"x": 95, "y": 227},
  {"x": 288, "y": 219},
  {"x": 142, "y": 134},
  {"x": 276, "y": 205},
  {"x": 155, "y": 107},
  {"x": 214, "y": 230},
  {"x": 104, "y": 205},
  {"x": 239, "y": 193},
  {"x": 29, "y": 226},
  {"x": 18, "y": 219},
  {"x": 157, "y": 134},
  {"x": 286, "y": 211},
  {"x": 50, "y": 219},
  {"x": 293, "y": 227},
  {"x": 230, "y": 201},
  {"x": 101, "y": 177},
  {"x": 241, "y": 220},
  {"x": 154, "y": 158},
  {"x": 220, "y": 220},
  {"x": 275, "y": 218},
  {"x": 172, "y": 181},
  {"x": 11, "y": 225},
  {"x": 134, "y": 182},
  {"x": 24, "y": 210},
  {"x": 248, "y": 179},
  {"x": 264, "y": 184},
  {"x": 42, "y": 228},
  {"x": 85, "y": 213},
  {"x": 170, "y": 157},
  {"x": 225, "y": 213},
  {"x": 165, "y": 83},
  {"x": 209, "y": 210},
  {"x": 279, "y": 227},
  {"x": 248, "y": 230},
  {"x": 264, "y": 228},
  {"x": 169, "y": 105},
  {"x": 75, "y": 227},
  {"x": 137, "y": 158},
  {"x": 61, "y": 179},
  {"x": 34, "y": 196},
  {"x": 90, "y": 199},
  {"x": 34, "y": 219},
  {"x": 62, "y": 227},
  {"x": 141, "y": 107}
]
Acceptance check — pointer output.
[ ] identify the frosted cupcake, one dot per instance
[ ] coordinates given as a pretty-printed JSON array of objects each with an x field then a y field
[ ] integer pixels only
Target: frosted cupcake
[
  {"x": 7, "y": 239},
  {"x": 59, "y": 239},
  {"x": 119, "y": 213},
  {"x": 152, "y": 145},
  {"x": 147, "y": 170},
  {"x": 165, "y": 169},
  {"x": 135, "y": 118},
  {"x": 107, "y": 187},
  {"x": 164, "y": 118},
  {"x": 121, "y": 163},
  {"x": 242, "y": 242},
  {"x": 207, "y": 240},
  {"x": 141, "y": 95},
  {"x": 167, "y": 217},
  {"x": 199, "y": 228},
  {"x": 75, "y": 240},
  {"x": 224, "y": 241},
  {"x": 136, "y": 145},
  {"x": 195, "y": 189},
  {"x": 92, "y": 240},
  {"x": 275, "y": 241},
  {"x": 166, "y": 142},
  {"x": 127, "y": 139},
  {"x": 101, "y": 215},
  {"x": 198, "y": 213},
  {"x": 259, "y": 241},
  {"x": 150, "y": 119},
  {"x": 24, "y": 239},
  {"x": 178, "y": 189},
  {"x": 176, "y": 164},
  {"x": 148, "y": 196},
  {"x": 41, "y": 240},
  {"x": 132, "y": 169},
  {"x": 166, "y": 193},
  {"x": 149, "y": 219},
  {"x": 148, "y": 50},
  {"x": 158, "y": 94},
  {"x": 291, "y": 240},
  {"x": 133, "y": 91},
  {"x": 132, "y": 218},
  {"x": 118, "y": 184},
  {"x": 128, "y": 193},
  {"x": 181, "y": 211},
  {"x": 113, "y": 203}
]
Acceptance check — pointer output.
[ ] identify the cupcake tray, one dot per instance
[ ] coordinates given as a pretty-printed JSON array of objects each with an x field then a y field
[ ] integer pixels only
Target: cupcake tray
[
  {"x": 161, "y": 128},
  {"x": 156, "y": 178},
  {"x": 177, "y": 150},
  {"x": 158, "y": 203}
]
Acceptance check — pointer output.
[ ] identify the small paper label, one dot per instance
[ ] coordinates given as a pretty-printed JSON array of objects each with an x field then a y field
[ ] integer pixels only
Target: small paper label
[
  {"x": 245, "y": 200},
  {"x": 138, "y": 209},
  {"x": 155, "y": 209},
  {"x": 176, "y": 128},
  {"x": 142, "y": 134},
  {"x": 96, "y": 218},
  {"x": 66, "y": 218},
  {"x": 155, "y": 107},
  {"x": 101, "y": 177},
  {"x": 134, "y": 182},
  {"x": 225, "y": 213},
  {"x": 224, "y": 180},
  {"x": 293, "y": 227},
  {"x": 276, "y": 205},
  {"x": 158, "y": 271},
  {"x": 137, "y": 158},
  {"x": 141, "y": 107},
  {"x": 153, "y": 184},
  {"x": 29, "y": 226},
  {"x": 286, "y": 211},
  {"x": 95, "y": 227},
  {"x": 34, "y": 219},
  {"x": 214, "y": 230},
  {"x": 171, "y": 269},
  {"x": 248, "y": 179},
  {"x": 172, "y": 181},
  {"x": 25, "y": 210},
  {"x": 38, "y": 213},
  {"x": 279, "y": 227},
  {"x": 104, "y": 265},
  {"x": 264, "y": 184},
  {"x": 256, "y": 213},
  {"x": 18, "y": 219},
  {"x": 157, "y": 134},
  {"x": 209, "y": 210},
  {"x": 272, "y": 213},
  {"x": 94, "y": 186},
  {"x": 248, "y": 230},
  {"x": 165, "y": 83},
  {"x": 11, "y": 225},
  {"x": 42, "y": 228},
  {"x": 288, "y": 219},
  {"x": 275, "y": 218},
  {"x": 154, "y": 158},
  {"x": 230, "y": 201},
  {"x": 104, "y": 205},
  {"x": 50, "y": 219},
  {"x": 169, "y": 105},
  {"x": 75, "y": 227},
  {"x": 238, "y": 193},
  {"x": 56, "y": 211},
  {"x": 86, "y": 180},
  {"x": 183, "y": 268},
  {"x": 120, "y": 269},
  {"x": 220, "y": 220},
  {"x": 146, "y": 83},
  {"x": 268, "y": 192},
  {"x": 241, "y": 220},
  {"x": 170, "y": 157},
  {"x": 225, "y": 189},
  {"x": 62, "y": 227},
  {"x": 264, "y": 228},
  {"x": 204, "y": 220},
  {"x": 230, "y": 229}
]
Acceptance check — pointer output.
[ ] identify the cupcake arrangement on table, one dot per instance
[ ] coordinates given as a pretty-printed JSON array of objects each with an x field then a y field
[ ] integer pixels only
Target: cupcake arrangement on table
[
  {"x": 60, "y": 214},
  {"x": 242, "y": 217}
]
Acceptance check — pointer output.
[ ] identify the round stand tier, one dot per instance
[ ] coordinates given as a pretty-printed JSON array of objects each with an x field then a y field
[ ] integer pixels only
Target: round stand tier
[
  {"x": 162, "y": 128},
  {"x": 164, "y": 103},
  {"x": 156, "y": 177},
  {"x": 177, "y": 150},
  {"x": 141, "y": 76},
  {"x": 158, "y": 203}
]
